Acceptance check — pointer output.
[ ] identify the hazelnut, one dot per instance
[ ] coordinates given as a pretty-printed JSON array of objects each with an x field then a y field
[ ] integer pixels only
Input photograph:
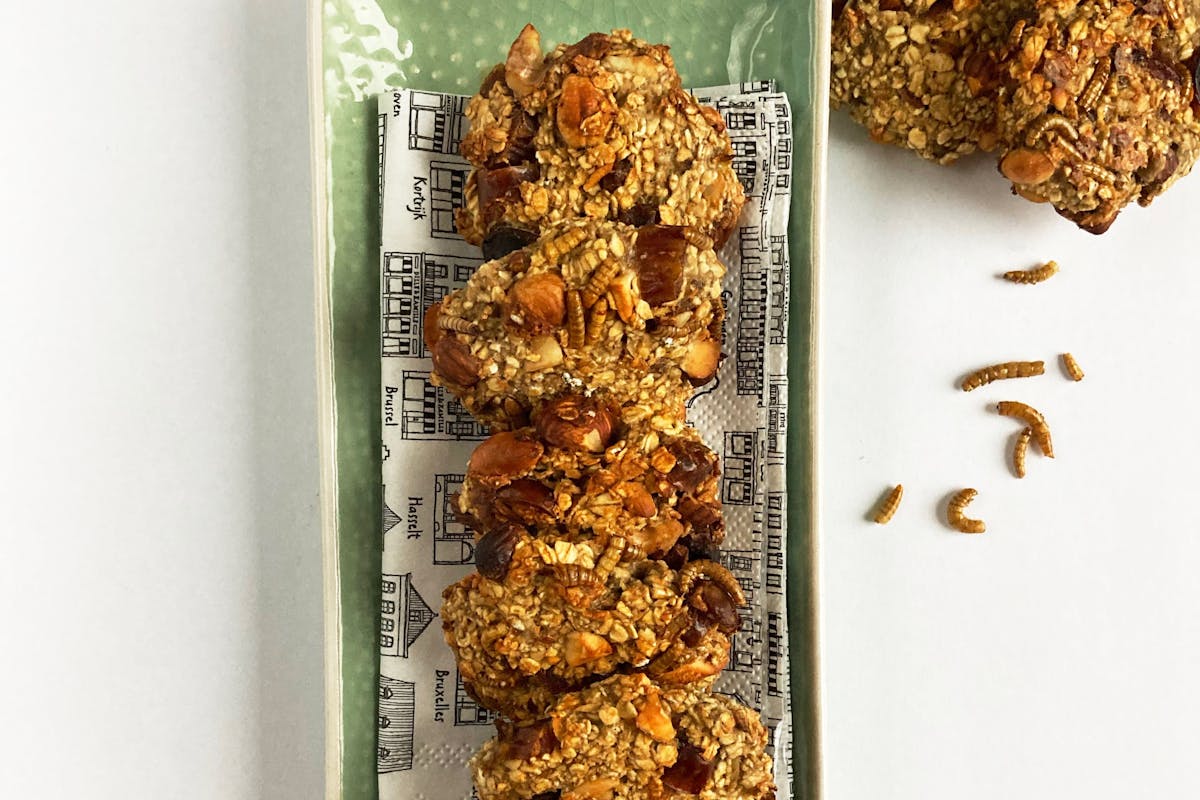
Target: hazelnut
[
  {"x": 701, "y": 360},
  {"x": 653, "y": 721},
  {"x": 524, "y": 67},
  {"x": 584, "y": 112},
  {"x": 582, "y": 647},
  {"x": 1027, "y": 166},
  {"x": 503, "y": 456},
  {"x": 549, "y": 353},
  {"x": 576, "y": 422},
  {"x": 453, "y": 360},
  {"x": 537, "y": 303}
]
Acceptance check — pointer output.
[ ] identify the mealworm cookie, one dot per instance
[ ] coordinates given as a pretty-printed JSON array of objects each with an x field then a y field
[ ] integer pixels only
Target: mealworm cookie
[
  {"x": 600, "y": 128},
  {"x": 907, "y": 71},
  {"x": 627, "y": 738},
  {"x": 541, "y": 617},
  {"x": 1100, "y": 107},
  {"x": 1091, "y": 105},
  {"x": 582, "y": 470},
  {"x": 634, "y": 313}
]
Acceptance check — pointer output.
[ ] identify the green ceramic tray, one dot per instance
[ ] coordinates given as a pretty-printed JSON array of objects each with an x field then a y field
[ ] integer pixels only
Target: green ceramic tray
[{"x": 360, "y": 48}]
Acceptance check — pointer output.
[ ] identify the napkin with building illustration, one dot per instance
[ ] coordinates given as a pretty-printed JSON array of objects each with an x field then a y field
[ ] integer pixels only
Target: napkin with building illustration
[{"x": 429, "y": 726}]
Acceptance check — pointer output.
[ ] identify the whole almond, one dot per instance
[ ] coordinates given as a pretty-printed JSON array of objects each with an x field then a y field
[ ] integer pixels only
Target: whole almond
[
  {"x": 453, "y": 360},
  {"x": 504, "y": 456}
]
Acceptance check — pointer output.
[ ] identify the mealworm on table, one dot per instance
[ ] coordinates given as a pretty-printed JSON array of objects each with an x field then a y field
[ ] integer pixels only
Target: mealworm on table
[
  {"x": 1035, "y": 275},
  {"x": 1034, "y": 419},
  {"x": 1019, "y": 450},
  {"x": 954, "y": 513},
  {"x": 1072, "y": 367},
  {"x": 889, "y": 505},
  {"x": 997, "y": 372}
]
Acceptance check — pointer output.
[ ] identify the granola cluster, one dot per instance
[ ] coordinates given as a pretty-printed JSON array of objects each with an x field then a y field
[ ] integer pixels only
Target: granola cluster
[
  {"x": 627, "y": 738},
  {"x": 633, "y": 313},
  {"x": 544, "y": 616},
  {"x": 596, "y": 619},
  {"x": 1089, "y": 104},
  {"x": 602, "y": 129},
  {"x": 591, "y": 471}
]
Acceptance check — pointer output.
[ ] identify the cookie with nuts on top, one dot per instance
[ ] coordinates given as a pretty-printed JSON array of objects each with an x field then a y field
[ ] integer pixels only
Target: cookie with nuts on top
[
  {"x": 1100, "y": 106},
  {"x": 907, "y": 72},
  {"x": 634, "y": 312},
  {"x": 543, "y": 615},
  {"x": 1090, "y": 105},
  {"x": 589, "y": 470},
  {"x": 628, "y": 738},
  {"x": 601, "y": 128}
]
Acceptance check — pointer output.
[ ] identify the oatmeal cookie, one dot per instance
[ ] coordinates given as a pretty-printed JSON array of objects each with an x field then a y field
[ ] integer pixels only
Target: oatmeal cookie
[
  {"x": 910, "y": 71},
  {"x": 600, "y": 128},
  {"x": 628, "y": 738},
  {"x": 1099, "y": 105},
  {"x": 541, "y": 616},
  {"x": 633, "y": 312},
  {"x": 586, "y": 472}
]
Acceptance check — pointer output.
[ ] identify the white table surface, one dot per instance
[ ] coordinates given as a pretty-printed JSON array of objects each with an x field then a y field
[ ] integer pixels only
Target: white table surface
[{"x": 160, "y": 584}]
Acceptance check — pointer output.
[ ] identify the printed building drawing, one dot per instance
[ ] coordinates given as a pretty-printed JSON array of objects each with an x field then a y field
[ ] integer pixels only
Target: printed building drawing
[
  {"x": 777, "y": 397},
  {"x": 466, "y": 710},
  {"x": 745, "y": 650},
  {"x": 776, "y": 536},
  {"x": 436, "y": 122},
  {"x": 390, "y": 518},
  {"x": 403, "y": 615},
  {"x": 776, "y": 654},
  {"x": 783, "y": 148},
  {"x": 447, "y": 180},
  {"x": 411, "y": 283},
  {"x": 430, "y": 412},
  {"x": 745, "y": 163},
  {"x": 751, "y": 315},
  {"x": 739, "y": 468},
  {"x": 397, "y": 715},
  {"x": 453, "y": 542},
  {"x": 778, "y": 311}
]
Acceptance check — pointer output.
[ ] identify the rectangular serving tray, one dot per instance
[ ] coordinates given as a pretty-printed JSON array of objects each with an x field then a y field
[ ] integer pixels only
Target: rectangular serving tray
[{"x": 360, "y": 48}]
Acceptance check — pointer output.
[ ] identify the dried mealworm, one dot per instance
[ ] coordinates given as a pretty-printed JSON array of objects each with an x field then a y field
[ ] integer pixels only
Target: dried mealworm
[
  {"x": 597, "y": 285},
  {"x": 998, "y": 372},
  {"x": 889, "y": 505},
  {"x": 1095, "y": 85},
  {"x": 1019, "y": 450},
  {"x": 456, "y": 324},
  {"x": 1094, "y": 171},
  {"x": 1034, "y": 419},
  {"x": 697, "y": 239},
  {"x": 1072, "y": 367},
  {"x": 954, "y": 513},
  {"x": 1035, "y": 275},
  {"x": 559, "y": 246},
  {"x": 1053, "y": 123},
  {"x": 598, "y": 318},
  {"x": 575, "y": 325}
]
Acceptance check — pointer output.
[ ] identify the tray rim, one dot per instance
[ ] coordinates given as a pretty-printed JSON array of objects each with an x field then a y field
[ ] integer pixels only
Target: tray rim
[{"x": 812, "y": 694}]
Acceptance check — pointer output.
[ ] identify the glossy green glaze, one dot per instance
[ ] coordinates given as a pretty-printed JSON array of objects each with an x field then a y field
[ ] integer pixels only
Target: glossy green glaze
[{"x": 369, "y": 46}]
